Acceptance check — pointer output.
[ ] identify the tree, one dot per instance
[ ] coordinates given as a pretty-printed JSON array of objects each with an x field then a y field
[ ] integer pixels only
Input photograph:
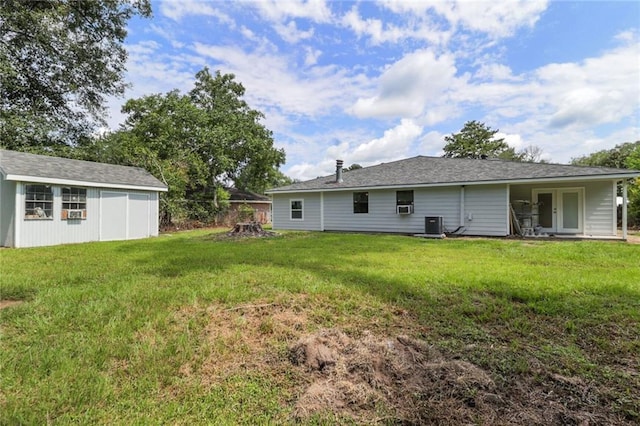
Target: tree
[
  {"x": 623, "y": 156},
  {"x": 58, "y": 61},
  {"x": 475, "y": 140},
  {"x": 197, "y": 144}
]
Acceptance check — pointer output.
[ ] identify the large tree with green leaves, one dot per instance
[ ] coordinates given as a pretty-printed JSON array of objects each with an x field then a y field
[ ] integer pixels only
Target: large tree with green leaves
[
  {"x": 475, "y": 140},
  {"x": 197, "y": 143},
  {"x": 622, "y": 156},
  {"x": 59, "y": 59}
]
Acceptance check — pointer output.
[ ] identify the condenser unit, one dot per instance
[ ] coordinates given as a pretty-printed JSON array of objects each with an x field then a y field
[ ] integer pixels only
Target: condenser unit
[{"x": 433, "y": 225}]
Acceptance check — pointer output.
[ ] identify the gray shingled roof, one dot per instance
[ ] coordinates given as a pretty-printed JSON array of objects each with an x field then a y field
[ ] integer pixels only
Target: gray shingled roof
[
  {"x": 428, "y": 171},
  {"x": 40, "y": 167}
]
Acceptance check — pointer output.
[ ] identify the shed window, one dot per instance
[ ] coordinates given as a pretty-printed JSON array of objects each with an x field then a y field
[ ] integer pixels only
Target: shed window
[
  {"x": 38, "y": 202},
  {"x": 296, "y": 210},
  {"x": 360, "y": 202},
  {"x": 404, "y": 198},
  {"x": 74, "y": 203}
]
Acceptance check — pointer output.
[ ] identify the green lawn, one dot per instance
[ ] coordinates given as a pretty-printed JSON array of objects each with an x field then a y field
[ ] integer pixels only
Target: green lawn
[{"x": 190, "y": 329}]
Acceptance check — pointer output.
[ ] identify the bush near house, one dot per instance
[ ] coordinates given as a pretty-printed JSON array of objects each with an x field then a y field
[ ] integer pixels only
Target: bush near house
[{"x": 321, "y": 328}]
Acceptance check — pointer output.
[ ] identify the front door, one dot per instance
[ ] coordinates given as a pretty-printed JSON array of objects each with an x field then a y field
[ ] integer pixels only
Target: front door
[{"x": 559, "y": 210}]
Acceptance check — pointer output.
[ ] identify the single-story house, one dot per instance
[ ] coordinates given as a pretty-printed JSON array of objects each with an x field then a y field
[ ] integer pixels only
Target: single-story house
[
  {"x": 482, "y": 197},
  {"x": 49, "y": 200},
  {"x": 239, "y": 200}
]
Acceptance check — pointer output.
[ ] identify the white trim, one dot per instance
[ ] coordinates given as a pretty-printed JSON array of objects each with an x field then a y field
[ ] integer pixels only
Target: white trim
[
  {"x": 624, "y": 209},
  {"x": 19, "y": 216},
  {"x": 322, "y": 211},
  {"x": 614, "y": 222},
  {"x": 536, "y": 181},
  {"x": 508, "y": 206},
  {"x": 291, "y": 200},
  {"x": 54, "y": 181}
]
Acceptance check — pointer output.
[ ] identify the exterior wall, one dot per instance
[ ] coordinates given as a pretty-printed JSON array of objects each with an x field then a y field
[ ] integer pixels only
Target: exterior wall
[
  {"x": 382, "y": 217},
  {"x": 311, "y": 211},
  {"x": 600, "y": 212},
  {"x": 486, "y": 210},
  {"x": 46, "y": 232},
  {"x": 487, "y": 205},
  {"x": 7, "y": 212}
]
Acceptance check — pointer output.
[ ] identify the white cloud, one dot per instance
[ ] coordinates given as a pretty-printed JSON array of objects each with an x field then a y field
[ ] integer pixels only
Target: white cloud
[
  {"x": 291, "y": 34},
  {"x": 272, "y": 81},
  {"x": 280, "y": 10},
  {"x": 393, "y": 145},
  {"x": 176, "y": 10},
  {"x": 409, "y": 86},
  {"x": 312, "y": 55}
]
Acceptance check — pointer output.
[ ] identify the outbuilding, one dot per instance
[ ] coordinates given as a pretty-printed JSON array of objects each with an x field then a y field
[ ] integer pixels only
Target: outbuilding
[
  {"x": 47, "y": 200},
  {"x": 436, "y": 196}
]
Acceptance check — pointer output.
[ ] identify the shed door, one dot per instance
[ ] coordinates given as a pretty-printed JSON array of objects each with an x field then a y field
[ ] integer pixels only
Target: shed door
[
  {"x": 113, "y": 216},
  {"x": 138, "y": 215}
]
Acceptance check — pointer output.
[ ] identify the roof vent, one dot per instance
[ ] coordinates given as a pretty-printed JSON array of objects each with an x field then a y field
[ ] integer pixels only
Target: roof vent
[{"x": 339, "y": 171}]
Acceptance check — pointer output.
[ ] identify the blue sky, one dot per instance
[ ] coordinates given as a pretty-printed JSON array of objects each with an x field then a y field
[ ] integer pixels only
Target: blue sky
[{"x": 376, "y": 81}]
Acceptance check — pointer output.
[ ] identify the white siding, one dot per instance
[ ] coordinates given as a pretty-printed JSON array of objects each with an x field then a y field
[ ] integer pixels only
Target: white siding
[
  {"x": 486, "y": 210},
  {"x": 382, "y": 217},
  {"x": 600, "y": 213},
  {"x": 311, "y": 212},
  {"x": 7, "y": 212},
  {"x": 137, "y": 217},
  {"x": 487, "y": 204}
]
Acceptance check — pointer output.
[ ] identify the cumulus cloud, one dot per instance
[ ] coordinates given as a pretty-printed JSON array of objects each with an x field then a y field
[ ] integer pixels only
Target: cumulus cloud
[
  {"x": 409, "y": 86},
  {"x": 291, "y": 34}
]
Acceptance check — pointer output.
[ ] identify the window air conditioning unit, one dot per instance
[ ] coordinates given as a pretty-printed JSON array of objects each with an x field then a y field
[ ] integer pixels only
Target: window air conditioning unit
[
  {"x": 408, "y": 209},
  {"x": 74, "y": 214},
  {"x": 433, "y": 225}
]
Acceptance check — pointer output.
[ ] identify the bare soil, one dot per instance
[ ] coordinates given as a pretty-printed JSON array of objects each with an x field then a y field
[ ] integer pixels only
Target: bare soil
[
  {"x": 8, "y": 303},
  {"x": 374, "y": 378}
]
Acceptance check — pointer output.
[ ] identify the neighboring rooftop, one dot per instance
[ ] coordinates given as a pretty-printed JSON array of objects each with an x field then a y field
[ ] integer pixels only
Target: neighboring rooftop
[
  {"x": 238, "y": 195},
  {"x": 435, "y": 171},
  {"x": 27, "y": 167}
]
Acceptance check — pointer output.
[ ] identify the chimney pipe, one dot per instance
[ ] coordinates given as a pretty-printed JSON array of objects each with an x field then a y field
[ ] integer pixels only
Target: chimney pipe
[{"x": 339, "y": 171}]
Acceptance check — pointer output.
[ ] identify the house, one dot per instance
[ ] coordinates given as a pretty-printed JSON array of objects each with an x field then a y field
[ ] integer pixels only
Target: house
[
  {"x": 49, "y": 200},
  {"x": 482, "y": 197},
  {"x": 240, "y": 202}
]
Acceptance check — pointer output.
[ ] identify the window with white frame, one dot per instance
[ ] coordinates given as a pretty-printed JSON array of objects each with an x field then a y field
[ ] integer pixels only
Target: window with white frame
[
  {"x": 296, "y": 209},
  {"x": 74, "y": 203},
  {"x": 38, "y": 202}
]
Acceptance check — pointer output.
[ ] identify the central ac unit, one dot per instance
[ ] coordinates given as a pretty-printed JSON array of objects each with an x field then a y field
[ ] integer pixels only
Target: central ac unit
[
  {"x": 433, "y": 225},
  {"x": 404, "y": 209}
]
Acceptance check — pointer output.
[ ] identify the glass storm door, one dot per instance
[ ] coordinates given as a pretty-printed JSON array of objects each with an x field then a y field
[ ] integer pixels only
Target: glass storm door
[
  {"x": 570, "y": 211},
  {"x": 559, "y": 210},
  {"x": 545, "y": 207}
]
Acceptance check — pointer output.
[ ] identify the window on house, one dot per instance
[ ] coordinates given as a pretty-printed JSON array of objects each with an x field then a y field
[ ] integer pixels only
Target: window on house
[
  {"x": 296, "y": 210},
  {"x": 404, "y": 202},
  {"x": 404, "y": 198},
  {"x": 74, "y": 203},
  {"x": 361, "y": 202},
  {"x": 38, "y": 202}
]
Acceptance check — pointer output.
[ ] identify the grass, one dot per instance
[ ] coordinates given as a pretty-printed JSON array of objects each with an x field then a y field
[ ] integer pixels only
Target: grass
[{"x": 165, "y": 330}]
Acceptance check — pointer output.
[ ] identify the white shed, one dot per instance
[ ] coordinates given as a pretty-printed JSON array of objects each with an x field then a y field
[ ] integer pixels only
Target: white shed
[{"x": 50, "y": 200}]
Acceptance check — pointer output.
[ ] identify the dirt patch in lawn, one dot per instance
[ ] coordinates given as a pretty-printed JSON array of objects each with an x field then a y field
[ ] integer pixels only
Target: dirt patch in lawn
[
  {"x": 331, "y": 376},
  {"x": 8, "y": 303}
]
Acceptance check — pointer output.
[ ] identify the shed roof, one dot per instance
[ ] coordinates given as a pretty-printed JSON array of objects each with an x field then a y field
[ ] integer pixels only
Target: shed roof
[
  {"x": 25, "y": 167},
  {"x": 439, "y": 171}
]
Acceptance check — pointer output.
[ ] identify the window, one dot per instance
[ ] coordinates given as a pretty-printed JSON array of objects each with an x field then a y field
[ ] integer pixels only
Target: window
[
  {"x": 361, "y": 202},
  {"x": 296, "y": 210},
  {"x": 38, "y": 202},
  {"x": 404, "y": 202},
  {"x": 74, "y": 203},
  {"x": 404, "y": 198}
]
